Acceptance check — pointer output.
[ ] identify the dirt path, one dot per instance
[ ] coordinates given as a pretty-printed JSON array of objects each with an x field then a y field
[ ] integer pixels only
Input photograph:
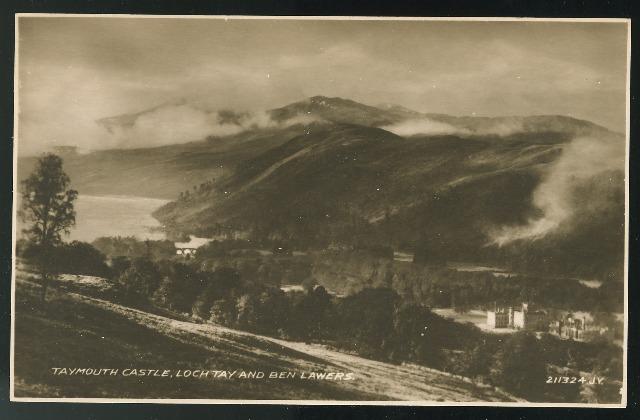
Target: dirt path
[
  {"x": 406, "y": 382},
  {"x": 275, "y": 167}
]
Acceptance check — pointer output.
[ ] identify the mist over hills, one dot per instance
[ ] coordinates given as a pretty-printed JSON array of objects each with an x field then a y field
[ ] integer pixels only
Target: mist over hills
[
  {"x": 181, "y": 121},
  {"x": 543, "y": 193}
]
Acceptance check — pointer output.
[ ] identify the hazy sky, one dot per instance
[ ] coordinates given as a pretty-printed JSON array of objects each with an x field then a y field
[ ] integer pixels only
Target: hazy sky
[{"x": 74, "y": 71}]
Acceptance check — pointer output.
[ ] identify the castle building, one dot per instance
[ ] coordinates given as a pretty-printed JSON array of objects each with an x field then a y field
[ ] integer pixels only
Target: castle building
[
  {"x": 524, "y": 318},
  {"x": 571, "y": 327},
  {"x": 529, "y": 319},
  {"x": 498, "y": 318}
]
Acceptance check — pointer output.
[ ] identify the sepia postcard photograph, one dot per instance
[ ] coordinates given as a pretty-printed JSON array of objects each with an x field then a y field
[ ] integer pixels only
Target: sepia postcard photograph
[{"x": 320, "y": 210}]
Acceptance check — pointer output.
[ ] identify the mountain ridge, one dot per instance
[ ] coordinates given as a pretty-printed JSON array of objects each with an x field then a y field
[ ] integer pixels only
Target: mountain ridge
[
  {"x": 439, "y": 195},
  {"x": 349, "y": 174}
]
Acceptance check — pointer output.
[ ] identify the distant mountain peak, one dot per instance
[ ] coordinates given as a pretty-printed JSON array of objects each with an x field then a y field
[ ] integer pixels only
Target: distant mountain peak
[
  {"x": 318, "y": 98},
  {"x": 335, "y": 109}
]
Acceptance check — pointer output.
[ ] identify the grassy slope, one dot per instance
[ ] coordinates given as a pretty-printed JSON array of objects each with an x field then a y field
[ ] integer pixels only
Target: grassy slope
[
  {"x": 78, "y": 331},
  {"x": 345, "y": 169},
  {"x": 439, "y": 196}
]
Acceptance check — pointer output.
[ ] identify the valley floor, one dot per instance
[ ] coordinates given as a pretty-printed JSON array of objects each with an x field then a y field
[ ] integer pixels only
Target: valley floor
[{"x": 76, "y": 331}]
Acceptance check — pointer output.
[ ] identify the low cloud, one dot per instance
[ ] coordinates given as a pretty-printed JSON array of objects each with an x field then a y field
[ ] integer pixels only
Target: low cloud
[
  {"x": 462, "y": 126},
  {"x": 502, "y": 127},
  {"x": 166, "y": 125},
  {"x": 183, "y": 122},
  {"x": 581, "y": 160},
  {"x": 424, "y": 126}
]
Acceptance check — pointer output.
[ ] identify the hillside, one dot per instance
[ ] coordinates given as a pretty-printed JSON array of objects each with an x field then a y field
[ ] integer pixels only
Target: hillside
[
  {"x": 467, "y": 195},
  {"x": 111, "y": 336},
  {"x": 345, "y": 175},
  {"x": 541, "y": 192}
]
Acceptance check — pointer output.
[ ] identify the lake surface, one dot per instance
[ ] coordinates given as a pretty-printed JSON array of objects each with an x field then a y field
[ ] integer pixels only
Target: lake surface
[{"x": 98, "y": 216}]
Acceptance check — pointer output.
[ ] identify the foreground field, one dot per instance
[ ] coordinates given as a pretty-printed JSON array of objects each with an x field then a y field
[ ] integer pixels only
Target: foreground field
[{"x": 77, "y": 331}]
